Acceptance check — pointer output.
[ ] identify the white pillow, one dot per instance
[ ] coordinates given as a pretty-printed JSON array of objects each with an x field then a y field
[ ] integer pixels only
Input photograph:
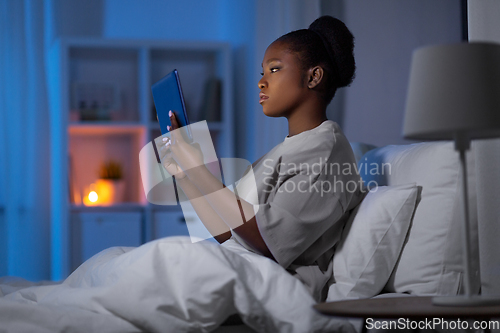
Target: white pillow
[
  {"x": 371, "y": 242},
  {"x": 431, "y": 260}
]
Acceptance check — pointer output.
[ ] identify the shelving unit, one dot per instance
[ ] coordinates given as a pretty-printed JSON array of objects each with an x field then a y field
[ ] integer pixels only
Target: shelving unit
[{"x": 101, "y": 110}]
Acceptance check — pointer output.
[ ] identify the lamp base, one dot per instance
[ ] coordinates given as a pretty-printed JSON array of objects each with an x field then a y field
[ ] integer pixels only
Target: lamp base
[{"x": 463, "y": 300}]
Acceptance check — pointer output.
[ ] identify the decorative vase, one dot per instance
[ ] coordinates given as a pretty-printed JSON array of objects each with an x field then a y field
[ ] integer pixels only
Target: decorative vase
[{"x": 110, "y": 191}]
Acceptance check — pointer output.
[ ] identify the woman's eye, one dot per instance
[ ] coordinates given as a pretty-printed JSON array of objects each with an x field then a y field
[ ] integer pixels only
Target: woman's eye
[{"x": 272, "y": 70}]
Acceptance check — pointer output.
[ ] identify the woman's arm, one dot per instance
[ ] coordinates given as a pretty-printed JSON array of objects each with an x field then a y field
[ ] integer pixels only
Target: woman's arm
[
  {"x": 238, "y": 214},
  {"x": 212, "y": 221},
  {"x": 184, "y": 159},
  {"x": 214, "y": 224}
]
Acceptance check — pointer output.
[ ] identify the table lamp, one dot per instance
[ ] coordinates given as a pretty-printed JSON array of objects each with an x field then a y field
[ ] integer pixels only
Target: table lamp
[{"x": 454, "y": 94}]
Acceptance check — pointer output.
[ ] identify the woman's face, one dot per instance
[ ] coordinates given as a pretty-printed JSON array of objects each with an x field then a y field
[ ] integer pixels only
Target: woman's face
[{"x": 283, "y": 86}]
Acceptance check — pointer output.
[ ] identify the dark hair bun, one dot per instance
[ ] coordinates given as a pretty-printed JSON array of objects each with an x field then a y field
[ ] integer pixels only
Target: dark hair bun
[{"x": 341, "y": 42}]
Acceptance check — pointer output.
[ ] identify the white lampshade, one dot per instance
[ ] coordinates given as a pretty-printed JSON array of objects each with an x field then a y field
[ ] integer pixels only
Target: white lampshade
[
  {"x": 454, "y": 90},
  {"x": 454, "y": 94}
]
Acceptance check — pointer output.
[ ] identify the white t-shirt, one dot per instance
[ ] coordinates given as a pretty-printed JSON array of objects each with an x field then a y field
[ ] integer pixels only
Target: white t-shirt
[{"x": 306, "y": 187}]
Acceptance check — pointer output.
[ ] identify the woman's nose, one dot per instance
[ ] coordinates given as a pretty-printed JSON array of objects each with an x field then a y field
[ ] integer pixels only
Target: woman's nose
[{"x": 262, "y": 83}]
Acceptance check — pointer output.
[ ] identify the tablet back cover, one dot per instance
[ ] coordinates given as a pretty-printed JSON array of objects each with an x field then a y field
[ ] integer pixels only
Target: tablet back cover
[{"x": 167, "y": 96}]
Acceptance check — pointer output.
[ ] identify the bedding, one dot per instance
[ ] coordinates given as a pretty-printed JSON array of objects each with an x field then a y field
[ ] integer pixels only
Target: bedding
[
  {"x": 431, "y": 261},
  {"x": 168, "y": 285},
  {"x": 371, "y": 242}
]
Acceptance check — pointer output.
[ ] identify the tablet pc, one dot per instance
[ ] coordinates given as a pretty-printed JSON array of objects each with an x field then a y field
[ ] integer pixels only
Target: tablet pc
[{"x": 167, "y": 95}]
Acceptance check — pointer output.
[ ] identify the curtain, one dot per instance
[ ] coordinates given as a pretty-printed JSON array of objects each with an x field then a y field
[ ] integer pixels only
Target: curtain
[{"x": 24, "y": 141}]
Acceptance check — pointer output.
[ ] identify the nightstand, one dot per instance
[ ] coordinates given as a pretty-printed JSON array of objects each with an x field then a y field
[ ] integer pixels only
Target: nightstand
[{"x": 411, "y": 311}]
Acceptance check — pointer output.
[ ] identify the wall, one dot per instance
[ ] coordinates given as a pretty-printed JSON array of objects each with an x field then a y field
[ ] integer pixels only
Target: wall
[
  {"x": 248, "y": 25},
  {"x": 193, "y": 20},
  {"x": 177, "y": 20},
  {"x": 222, "y": 20},
  {"x": 386, "y": 33},
  {"x": 484, "y": 25}
]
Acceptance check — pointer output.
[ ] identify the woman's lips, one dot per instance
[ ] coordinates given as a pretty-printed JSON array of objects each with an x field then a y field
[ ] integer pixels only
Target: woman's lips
[{"x": 262, "y": 98}]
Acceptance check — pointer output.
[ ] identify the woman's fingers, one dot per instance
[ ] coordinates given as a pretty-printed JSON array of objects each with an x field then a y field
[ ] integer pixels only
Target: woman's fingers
[
  {"x": 164, "y": 145},
  {"x": 172, "y": 167},
  {"x": 164, "y": 150},
  {"x": 160, "y": 141},
  {"x": 173, "y": 120},
  {"x": 175, "y": 135},
  {"x": 168, "y": 161}
]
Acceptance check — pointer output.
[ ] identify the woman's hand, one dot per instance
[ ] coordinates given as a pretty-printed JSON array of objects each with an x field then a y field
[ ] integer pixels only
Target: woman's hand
[
  {"x": 168, "y": 161},
  {"x": 177, "y": 155}
]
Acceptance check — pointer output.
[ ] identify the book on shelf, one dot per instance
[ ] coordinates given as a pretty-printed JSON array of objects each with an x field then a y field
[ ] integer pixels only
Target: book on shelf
[
  {"x": 75, "y": 197},
  {"x": 211, "y": 106}
]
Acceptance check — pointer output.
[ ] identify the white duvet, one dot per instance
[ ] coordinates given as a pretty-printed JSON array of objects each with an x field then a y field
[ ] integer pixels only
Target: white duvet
[{"x": 168, "y": 285}]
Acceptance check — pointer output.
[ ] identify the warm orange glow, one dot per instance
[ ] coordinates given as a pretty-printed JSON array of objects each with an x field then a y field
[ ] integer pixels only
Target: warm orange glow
[
  {"x": 93, "y": 196},
  {"x": 103, "y": 192},
  {"x": 106, "y": 191}
]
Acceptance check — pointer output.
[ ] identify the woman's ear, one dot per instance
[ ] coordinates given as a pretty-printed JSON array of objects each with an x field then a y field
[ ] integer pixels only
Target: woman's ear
[{"x": 315, "y": 75}]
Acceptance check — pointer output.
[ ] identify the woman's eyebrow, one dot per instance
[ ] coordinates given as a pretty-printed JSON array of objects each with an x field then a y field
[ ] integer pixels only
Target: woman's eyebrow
[{"x": 271, "y": 60}]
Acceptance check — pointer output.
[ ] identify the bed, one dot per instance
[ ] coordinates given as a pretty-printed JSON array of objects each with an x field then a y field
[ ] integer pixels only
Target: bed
[
  {"x": 150, "y": 288},
  {"x": 402, "y": 240}
]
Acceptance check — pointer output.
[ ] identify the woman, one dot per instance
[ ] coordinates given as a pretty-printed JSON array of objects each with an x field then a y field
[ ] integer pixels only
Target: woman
[{"x": 307, "y": 185}]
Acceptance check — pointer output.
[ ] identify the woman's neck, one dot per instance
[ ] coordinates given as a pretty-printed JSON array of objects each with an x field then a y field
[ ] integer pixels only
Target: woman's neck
[{"x": 306, "y": 120}]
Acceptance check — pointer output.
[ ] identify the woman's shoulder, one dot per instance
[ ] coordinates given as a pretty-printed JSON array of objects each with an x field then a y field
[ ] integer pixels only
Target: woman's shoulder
[
  {"x": 331, "y": 134},
  {"x": 319, "y": 142},
  {"x": 322, "y": 137},
  {"x": 328, "y": 130}
]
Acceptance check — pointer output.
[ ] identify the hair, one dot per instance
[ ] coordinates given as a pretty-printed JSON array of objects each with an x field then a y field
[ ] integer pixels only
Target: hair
[{"x": 327, "y": 43}]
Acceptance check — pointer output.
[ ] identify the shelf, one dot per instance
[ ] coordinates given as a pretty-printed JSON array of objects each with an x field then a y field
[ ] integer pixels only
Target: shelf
[
  {"x": 103, "y": 111},
  {"x": 160, "y": 208},
  {"x": 91, "y": 146},
  {"x": 97, "y": 128},
  {"x": 195, "y": 69},
  {"x": 99, "y": 75},
  {"x": 212, "y": 126},
  {"x": 123, "y": 207}
]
